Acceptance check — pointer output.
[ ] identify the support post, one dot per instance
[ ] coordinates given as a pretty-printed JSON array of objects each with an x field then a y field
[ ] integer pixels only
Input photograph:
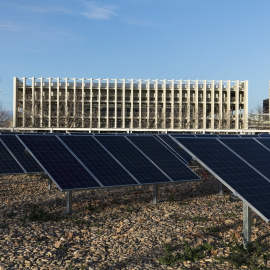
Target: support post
[
  {"x": 246, "y": 225},
  {"x": 155, "y": 193},
  {"x": 68, "y": 202},
  {"x": 49, "y": 184},
  {"x": 221, "y": 189}
]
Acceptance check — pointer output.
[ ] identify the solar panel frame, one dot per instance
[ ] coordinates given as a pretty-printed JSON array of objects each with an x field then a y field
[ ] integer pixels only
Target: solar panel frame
[
  {"x": 8, "y": 162},
  {"x": 166, "y": 143},
  {"x": 8, "y": 141},
  {"x": 51, "y": 176},
  {"x": 223, "y": 181},
  {"x": 170, "y": 156},
  {"x": 147, "y": 171},
  {"x": 96, "y": 174}
]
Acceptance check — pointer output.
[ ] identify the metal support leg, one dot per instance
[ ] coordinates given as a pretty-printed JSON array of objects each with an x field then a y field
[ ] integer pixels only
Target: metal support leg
[
  {"x": 155, "y": 193},
  {"x": 68, "y": 202},
  {"x": 49, "y": 184},
  {"x": 221, "y": 189},
  {"x": 246, "y": 224}
]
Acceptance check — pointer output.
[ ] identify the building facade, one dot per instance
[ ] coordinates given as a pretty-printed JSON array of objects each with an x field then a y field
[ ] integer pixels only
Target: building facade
[{"x": 133, "y": 104}]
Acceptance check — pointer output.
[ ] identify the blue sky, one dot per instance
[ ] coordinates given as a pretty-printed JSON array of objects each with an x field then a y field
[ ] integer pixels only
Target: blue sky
[{"x": 148, "y": 39}]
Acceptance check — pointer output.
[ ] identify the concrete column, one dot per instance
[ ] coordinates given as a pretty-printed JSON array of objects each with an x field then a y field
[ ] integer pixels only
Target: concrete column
[
  {"x": 24, "y": 100},
  {"x": 180, "y": 103},
  {"x": 204, "y": 104},
  {"x": 15, "y": 102},
  {"x": 123, "y": 103},
  {"x": 66, "y": 103},
  {"x": 58, "y": 106},
  {"x": 220, "y": 116},
  {"x": 91, "y": 103},
  {"x": 50, "y": 102},
  {"x": 156, "y": 103},
  {"x": 236, "y": 116},
  {"x": 41, "y": 102},
  {"x": 131, "y": 102},
  {"x": 99, "y": 98},
  {"x": 148, "y": 101},
  {"x": 140, "y": 103},
  {"x": 33, "y": 102},
  {"x": 246, "y": 104},
  {"x": 164, "y": 103},
  {"x": 188, "y": 104},
  {"x": 196, "y": 104},
  {"x": 228, "y": 104},
  {"x": 115, "y": 102},
  {"x": 172, "y": 104},
  {"x": 107, "y": 103},
  {"x": 212, "y": 104},
  {"x": 83, "y": 100}
]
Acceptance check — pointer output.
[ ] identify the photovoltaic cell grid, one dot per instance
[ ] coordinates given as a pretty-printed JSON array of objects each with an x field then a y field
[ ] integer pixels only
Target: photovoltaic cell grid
[
  {"x": 98, "y": 161},
  {"x": 165, "y": 159},
  {"x": 60, "y": 164},
  {"x": 167, "y": 140},
  {"x": 234, "y": 172},
  {"x": 252, "y": 151},
  {"x": 133, "y": 160},
  {"x": 8, "y": 165},
  {"x": 18, "y": 150}
]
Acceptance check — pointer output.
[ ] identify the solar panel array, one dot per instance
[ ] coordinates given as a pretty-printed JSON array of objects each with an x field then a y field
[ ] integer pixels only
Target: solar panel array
[
  {"x": 83, "y": 162},
  {"x": 240, "y": 163}
]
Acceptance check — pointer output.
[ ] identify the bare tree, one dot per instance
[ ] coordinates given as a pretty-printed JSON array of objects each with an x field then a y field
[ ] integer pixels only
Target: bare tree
[{"x": 5, "y": 117}]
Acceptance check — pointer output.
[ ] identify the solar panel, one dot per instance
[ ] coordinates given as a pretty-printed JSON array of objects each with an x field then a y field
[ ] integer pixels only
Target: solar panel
[
  {"x": 264, "y": 135},
  {"x": 179, "y": 135},
  {"x": 248, "y": 135},
  {"x": 105, "y": 168},
  {"x": 133, "y": 160},
  {"x": 228, "y": 135},
  {"x": 206, "y": 135},
  {"x": 232, "y": 171},
  {"x": 18, "y": 150},
  {"x": 63, "y": 168},
  {"x": 8, "y": 165},
  {"x": 168, "y": 141},
  {"x": 165, "y": 159},
  {"x": 252, "y": 151}
]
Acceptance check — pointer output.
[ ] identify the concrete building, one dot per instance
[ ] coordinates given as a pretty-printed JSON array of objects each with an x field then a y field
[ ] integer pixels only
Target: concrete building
[{"x": 132, "y": 104}]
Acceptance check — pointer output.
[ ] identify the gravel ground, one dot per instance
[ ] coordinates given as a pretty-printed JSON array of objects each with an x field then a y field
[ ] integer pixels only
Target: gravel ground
[{"x": 190, "y": 228}]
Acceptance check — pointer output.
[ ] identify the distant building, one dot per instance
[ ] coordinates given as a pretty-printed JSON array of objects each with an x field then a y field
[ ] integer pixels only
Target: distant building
[
  {"x": 133, "y": 104},
  {"x": 266, "y": 105}
]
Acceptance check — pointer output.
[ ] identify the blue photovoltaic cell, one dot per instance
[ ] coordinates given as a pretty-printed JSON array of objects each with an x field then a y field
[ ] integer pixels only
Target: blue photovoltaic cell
[
  {"x": 175, "y": 147},
  {"x": 165, "y": 159},
  {"x": 61, "y": 165},
  {"x": 265, "y": 141},
  {"x": 18, "y": 150},
  {"x": 252, "y": 151},
  {"x": 133, "y": 160},
  {"x": 253, "y": 187},
  {"x": 98, "y": 161},
  {"x": 8, "y": 165}
]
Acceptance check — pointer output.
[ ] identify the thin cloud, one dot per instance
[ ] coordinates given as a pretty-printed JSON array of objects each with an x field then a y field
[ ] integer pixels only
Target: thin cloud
[
  {"x": 99, "y": 12},
  {"x": 90, "y": 10},
  {"x": 10, "y": 27}
]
